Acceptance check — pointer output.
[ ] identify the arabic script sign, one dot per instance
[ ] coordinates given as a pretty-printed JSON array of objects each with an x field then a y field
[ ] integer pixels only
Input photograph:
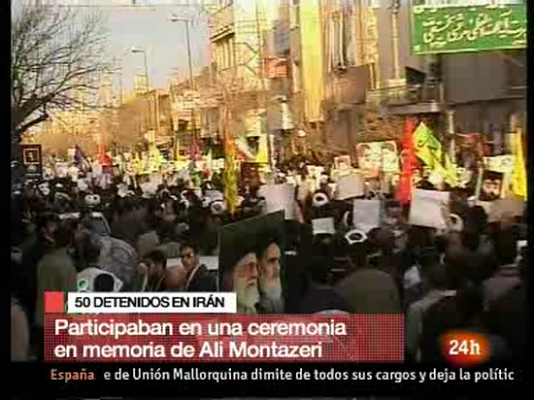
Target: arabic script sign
[{"x": 465, "y": 29}]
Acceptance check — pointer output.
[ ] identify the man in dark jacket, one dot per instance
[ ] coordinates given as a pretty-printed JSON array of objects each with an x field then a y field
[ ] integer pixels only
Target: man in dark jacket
[
  {"x": 199, "y": 278},
  {"x": 26, "y": 275}
]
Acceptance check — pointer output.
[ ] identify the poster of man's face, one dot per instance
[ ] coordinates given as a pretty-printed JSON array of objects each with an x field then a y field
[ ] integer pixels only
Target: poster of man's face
[
  {"x": 390, "y": 159},
  {"x": 378, "y": 156},
  {"x": 491, "y": 186},
  {"x": 251, "y": 260}
]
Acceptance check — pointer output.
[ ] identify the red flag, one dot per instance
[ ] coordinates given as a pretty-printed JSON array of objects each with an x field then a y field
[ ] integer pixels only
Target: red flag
[
  {"x": 404, "y": 192},
  {"x": 103, "y": 158}
]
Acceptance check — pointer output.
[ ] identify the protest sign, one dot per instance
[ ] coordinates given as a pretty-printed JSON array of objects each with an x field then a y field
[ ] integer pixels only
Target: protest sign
[
  {"x": 374, "y": 157},
  {"x": 503, "y": 164},
  {"x": 350, "y": 186},
  {"x": 366, "y": 214},
  {"x": 156, "y": 179},
  {"x": 490, "y": 186},
  {"x": 73, "y": 173},
  {"x": 279, "y": 198},
  {"x": 505, "y": 208},
  {"x": 342, "y": 162},
  {"x": 122, "y": 190},
  {"x": 427, "y": 208},
  {"x": 148, "y": 188},
  {"x": 323, "y": 226},
  {"x": 97, "y": 170},
  {"x": 62, "y": 170},
  {"x": 238, "y": 246}
]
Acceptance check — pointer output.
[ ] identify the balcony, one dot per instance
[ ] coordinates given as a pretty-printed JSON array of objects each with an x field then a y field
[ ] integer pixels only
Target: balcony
[
  {"x": 222, "y": 23},
  {"x": 407, "y": 99}
]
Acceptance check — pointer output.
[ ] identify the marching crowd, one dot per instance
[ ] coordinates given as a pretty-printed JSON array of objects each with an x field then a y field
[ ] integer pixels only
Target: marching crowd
[{"x": 469, "y": 276}]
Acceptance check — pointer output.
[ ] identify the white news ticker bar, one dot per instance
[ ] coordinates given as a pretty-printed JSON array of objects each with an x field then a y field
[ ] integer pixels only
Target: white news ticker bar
[{"x": 151, "y": 303}]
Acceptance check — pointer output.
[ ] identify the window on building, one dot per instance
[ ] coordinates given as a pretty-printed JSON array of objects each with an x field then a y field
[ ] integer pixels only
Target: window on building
[
  {"x": 295, "y": 71},
  {"x": 225, "y": 52},
  {"x": 341, "y": 39},
  {"x": 294, "y": 15}
]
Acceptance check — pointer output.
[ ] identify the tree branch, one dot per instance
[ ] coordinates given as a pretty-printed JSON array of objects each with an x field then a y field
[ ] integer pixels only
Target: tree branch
[{"x": 41, "y": 118}]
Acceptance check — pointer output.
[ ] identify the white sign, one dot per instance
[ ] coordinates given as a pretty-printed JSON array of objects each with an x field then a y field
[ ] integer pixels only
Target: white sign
[
  {"x": 279, "y": 198},
  {"x": 122, "y": 190},
  {"x": 73, "y": 173},
  {"x": 82, "y": 185},
  {"x": 62, "y": 170},
  {"x": 350, "y": 186},
  {"x": 503, "y": 164},
  {"x": 323, "y": 226},
  {"x": 427, "y": 208},
  {"x": 149, "y": 188},
  {"x": 97, "y": 170},
  {"x": 156, "y": 179},
  {"x": 366, "y": 214}
]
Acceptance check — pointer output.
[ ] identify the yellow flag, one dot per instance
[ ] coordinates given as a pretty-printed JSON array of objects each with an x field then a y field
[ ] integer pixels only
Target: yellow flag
[
  {"x": 429, "y": 150},
  {"x": 230, "y": 168},
  {"x": 519, "y": 183},
  {"x": 263, "y": 152},
  {"x": 312, "y": 58}
]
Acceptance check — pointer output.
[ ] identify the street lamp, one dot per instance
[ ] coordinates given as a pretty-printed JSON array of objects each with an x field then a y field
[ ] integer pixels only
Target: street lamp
[
  {"x": 174, "y": 18},
  {"x": 136, "y": 50}
]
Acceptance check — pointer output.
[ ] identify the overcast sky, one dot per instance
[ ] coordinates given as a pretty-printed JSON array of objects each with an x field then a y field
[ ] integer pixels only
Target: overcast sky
[
  {"x": 164, "y": 41},
  {"x": 148, "y": 28}
]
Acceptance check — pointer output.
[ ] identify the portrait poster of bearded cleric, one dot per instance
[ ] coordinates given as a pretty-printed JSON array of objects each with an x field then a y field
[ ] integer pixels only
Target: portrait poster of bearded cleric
[
  {"x": 251, "y": 262},
  {"x": 490, "y": 186}
]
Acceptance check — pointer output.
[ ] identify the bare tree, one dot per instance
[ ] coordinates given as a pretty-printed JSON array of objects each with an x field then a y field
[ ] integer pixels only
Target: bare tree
[{"x": 56, "y": 58}]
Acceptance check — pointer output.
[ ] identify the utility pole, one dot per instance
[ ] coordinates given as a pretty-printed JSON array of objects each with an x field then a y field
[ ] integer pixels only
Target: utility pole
[
  {"x": 196, "y": 144},
  {"x": 264, "y": 103},
  {"x": 395, "y": 8}
]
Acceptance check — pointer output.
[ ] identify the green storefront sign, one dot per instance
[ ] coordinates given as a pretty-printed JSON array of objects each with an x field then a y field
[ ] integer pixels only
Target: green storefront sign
[{"x": 464, "y": 29}]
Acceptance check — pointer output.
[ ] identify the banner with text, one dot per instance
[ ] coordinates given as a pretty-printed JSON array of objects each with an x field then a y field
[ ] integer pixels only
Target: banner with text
[
  {"x": 468, "y": 28},
  {"x": 208, "y": 338}
]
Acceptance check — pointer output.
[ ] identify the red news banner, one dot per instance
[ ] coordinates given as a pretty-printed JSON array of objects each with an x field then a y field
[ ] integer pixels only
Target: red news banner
[{"x": 222, "y": 338}]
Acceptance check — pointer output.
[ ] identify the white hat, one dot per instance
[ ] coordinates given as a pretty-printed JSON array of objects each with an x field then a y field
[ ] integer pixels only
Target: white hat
[
  {"x": 218, "y": 207},
  {"x": 88, "y": 277},
  {"x": 320, "y": 199},
  {"x": 355, "y": 236},
  {"x": 92, "y": 199},
  {"x": 457, "y": 223},
  {"x": 185, "y": 203},
  {"x": 206, "y": 201}
]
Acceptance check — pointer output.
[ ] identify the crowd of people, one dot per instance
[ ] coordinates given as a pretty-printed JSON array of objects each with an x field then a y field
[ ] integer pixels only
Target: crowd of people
[{"x": 471, "y": 278}]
